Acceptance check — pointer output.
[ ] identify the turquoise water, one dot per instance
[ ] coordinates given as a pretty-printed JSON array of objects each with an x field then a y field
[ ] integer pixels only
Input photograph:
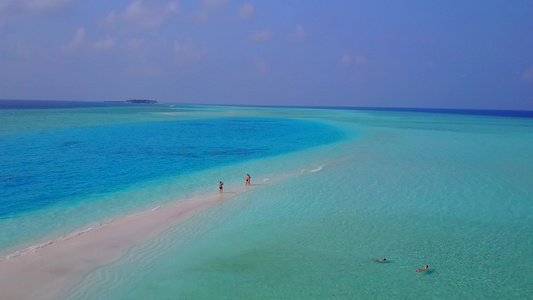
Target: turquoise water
[
  {"x": 74, "y": 167},
  {"x": 451, "y": 191},
  {"x": 47, "y": 167}
]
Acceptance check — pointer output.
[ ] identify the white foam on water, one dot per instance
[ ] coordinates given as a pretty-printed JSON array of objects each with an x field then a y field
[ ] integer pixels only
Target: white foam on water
[
  {"x": 320, "y": 168},
  {"x": 36, "y": 248}
]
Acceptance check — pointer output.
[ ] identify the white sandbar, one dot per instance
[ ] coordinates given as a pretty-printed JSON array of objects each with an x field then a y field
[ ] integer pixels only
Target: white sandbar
[{"x": 48, "y": 270}]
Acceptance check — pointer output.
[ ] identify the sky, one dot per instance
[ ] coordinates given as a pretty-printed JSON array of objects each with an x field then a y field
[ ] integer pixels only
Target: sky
[{"x": 475, "y": 54}]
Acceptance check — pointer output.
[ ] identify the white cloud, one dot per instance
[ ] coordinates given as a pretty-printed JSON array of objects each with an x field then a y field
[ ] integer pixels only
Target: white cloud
[
  {"x": 360, "y": 60},
  {"x": 104, "y": 44},
  {"x": 40, "y": 5},
  {"x": 184, "y": 52},
  {"x": 357, "y": 77},
  {"x": 78, "y": 40},
  {"x": 261, "y": 36},
  {"x": 110, "y": 19},
  {"x": 246, "y": 11},
  {"x": 214, "y": 4},
  {"x": 360, "y": 71},
  {"x": 135, "y": 43},
  {"x": 145, "y": 15},
  {"x": 299, "y": 33},
  {"x": 208, "y": 7},
  {"x": 527, "y": 76},
  {"x": 20, "y": 10},
  {"x": 200, "y": 17},
  {"x": 347, "y": 60},
  {"x": 33, "y": 5},
  {"x": 260, "y": 66}
]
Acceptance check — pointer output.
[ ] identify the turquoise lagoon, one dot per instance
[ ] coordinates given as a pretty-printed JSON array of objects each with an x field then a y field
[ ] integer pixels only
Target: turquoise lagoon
[{"x": 332, "y": 189}]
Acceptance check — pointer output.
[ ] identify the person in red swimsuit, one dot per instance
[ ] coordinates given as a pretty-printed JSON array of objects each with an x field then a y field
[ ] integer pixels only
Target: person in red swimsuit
[{"x": 248, "y": 179}]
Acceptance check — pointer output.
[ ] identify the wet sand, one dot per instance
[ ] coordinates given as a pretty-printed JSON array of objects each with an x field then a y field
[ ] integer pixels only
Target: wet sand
[{"x": 48, "y": 270}]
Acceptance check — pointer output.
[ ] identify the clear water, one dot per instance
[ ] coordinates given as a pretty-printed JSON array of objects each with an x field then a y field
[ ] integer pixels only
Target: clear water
[
  {"x": 47, "y": 167},
  {"x": 451, "y": 191},
  {"x": 76, "y": 168}
]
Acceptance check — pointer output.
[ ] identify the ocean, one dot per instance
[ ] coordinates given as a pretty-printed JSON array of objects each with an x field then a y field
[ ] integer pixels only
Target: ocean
[{"x": 332, "y": 189}]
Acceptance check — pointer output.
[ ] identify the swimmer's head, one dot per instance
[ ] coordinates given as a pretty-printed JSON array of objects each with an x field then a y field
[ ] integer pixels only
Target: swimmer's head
[
  {"x": 383, "y": 259},
  {"x": 426, "y": 266}
]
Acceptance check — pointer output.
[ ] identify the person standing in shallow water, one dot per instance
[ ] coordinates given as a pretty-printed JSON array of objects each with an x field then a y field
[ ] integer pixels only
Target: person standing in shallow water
[
  {"x": 220, "y": 189},
  {"x": 248, "y": 179}
]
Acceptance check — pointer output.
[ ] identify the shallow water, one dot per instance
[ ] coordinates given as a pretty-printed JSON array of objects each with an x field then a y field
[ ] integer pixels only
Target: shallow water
[{"x": 451, "y": 191}]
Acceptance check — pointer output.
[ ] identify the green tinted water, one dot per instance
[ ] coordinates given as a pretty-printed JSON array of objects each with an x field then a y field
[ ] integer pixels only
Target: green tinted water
[{"x": 453, "y": 192}]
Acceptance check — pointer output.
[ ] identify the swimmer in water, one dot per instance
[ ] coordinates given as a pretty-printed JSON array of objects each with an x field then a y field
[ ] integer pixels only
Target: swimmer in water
[
  {"x": 423, "y": 269},
  {"x": 220, "y": 189},
  {"x": 379, "y": 260}
]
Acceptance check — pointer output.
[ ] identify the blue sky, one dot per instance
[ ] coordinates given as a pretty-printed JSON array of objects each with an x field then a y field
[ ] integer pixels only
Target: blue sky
[{"x": 436, "y": 54}]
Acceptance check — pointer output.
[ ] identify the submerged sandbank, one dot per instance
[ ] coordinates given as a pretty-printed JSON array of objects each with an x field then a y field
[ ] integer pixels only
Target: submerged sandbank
[{"x": 48, "y": 270}]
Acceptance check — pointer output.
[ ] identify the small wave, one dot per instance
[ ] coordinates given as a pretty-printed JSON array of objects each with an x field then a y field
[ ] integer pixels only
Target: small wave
[
  {"x": 41, "y": 246},
  {"x": 266, "y": 179},
  {"x": 156, "y": 208},
  {"x": 33, "y": 248},
  {"x": 320, "y": 168},
  {"x": 38, "y": 247},
  {"x": 75, "y": 234}
]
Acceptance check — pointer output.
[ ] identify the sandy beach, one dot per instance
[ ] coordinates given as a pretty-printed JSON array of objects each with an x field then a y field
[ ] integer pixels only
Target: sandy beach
[{"x": 48, "y": 270}]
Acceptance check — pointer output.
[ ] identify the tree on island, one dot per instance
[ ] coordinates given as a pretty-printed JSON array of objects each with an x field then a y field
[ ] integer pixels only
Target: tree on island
[{"x": 141, "y": 101}]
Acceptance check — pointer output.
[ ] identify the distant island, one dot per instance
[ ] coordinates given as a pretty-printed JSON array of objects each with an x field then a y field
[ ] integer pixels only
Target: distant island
[{"x": 136, "y": 101}]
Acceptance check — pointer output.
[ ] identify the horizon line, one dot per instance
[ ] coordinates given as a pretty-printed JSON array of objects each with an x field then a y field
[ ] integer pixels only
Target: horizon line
[{"x": 386, "y": 108}]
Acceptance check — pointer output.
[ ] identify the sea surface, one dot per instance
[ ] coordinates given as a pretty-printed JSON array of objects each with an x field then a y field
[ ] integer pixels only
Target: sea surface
[{"x": 331, "y": 189}]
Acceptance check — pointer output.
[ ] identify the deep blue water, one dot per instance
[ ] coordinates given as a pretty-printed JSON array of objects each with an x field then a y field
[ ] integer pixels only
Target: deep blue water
[
  {"x": 47, "y": 167},
  {"x": 46, "y": 104},
  {"x": 473, "y": 112}
]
